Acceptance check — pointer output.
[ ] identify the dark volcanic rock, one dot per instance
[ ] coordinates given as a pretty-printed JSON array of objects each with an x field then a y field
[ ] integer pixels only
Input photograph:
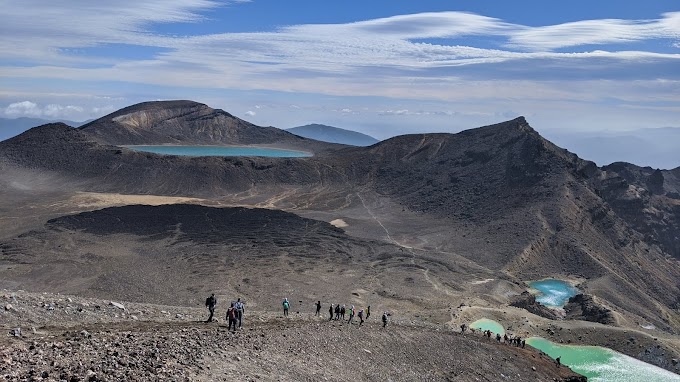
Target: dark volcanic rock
[
  {"x": 199, "y": 224},
  {"x": 177, "y": 253},
  {"x": 504, "y": 197},
  {"x": 528, "y": 301},
  {"x": 584, "y": 307},
  {"x": 648, "y": 199}
]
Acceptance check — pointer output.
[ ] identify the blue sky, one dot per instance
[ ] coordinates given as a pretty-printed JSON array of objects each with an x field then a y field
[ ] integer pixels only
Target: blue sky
[{"x": 380, "y": 67}]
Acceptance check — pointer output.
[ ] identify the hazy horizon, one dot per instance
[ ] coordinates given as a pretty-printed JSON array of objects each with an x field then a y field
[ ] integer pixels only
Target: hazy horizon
[{"x": 654, "y": 147}]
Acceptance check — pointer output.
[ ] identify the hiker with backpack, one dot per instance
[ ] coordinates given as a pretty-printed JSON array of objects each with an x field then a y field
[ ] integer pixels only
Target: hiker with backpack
[
  {"x": 368, "y": 312},
  {"x": 337, "y": 312},
  {"x": 351, "y": 315},
  {"x": 240, "y": 308},
  {"x": 330, "y": 313},
  {"x": 232, "y": 317},
  {"x": 361, "y": 317},
  {"x": 342, "y": 312},
  {"x": 384, "y": 319},
  {"x": 286, "y": 306},
  {"x": 318, "y": 308},
  {"x": 211, "y": 302}
]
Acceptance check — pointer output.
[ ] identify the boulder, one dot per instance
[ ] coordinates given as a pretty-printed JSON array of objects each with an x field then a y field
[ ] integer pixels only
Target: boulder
[
  {"x": 584, "y": 307},
  {"x": 528, "y": 302}
]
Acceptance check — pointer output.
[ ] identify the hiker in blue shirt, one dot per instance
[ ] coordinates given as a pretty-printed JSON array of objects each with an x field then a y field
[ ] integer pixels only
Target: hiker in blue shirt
[
  {"x": 240, "y": 308},
  {"x": 286, "y": 305}
]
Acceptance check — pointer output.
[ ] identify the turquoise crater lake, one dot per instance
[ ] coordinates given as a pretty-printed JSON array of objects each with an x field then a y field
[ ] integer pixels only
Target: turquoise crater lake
[
  {"x": 221, "y": 151},
  {"x": 603, "y": 365},
  {"x": 553, "y": 292}
]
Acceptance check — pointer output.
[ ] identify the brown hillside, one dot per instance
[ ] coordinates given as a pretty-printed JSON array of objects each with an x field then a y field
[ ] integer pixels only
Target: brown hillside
[{"x": 468, "y": 218}]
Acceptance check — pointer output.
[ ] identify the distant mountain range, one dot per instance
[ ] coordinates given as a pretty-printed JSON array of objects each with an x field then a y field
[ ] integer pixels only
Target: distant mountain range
[
  {"x": 10, "y": 127},
  {"x": 653, "y": 147},
  {"x": 333, "y": 134}
]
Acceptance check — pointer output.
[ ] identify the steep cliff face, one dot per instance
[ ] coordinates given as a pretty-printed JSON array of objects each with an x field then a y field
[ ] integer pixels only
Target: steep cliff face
[{"x": 647, "y": 199}]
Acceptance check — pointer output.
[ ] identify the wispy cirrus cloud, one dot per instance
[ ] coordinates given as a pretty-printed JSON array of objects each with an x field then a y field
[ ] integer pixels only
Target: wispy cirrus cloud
[
  {"x": 427, "y": 56},
  {"x": 596, "y": 32},
  {"x": 389, "y": 42}
]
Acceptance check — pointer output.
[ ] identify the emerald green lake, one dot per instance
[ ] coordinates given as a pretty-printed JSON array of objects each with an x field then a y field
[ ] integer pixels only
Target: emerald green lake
[
  {"x": 222, "y": 151},
  {"x": 553, "y": 292},
  {"x": 486, "y": 324},
  {"x": 601, "y": 364}
]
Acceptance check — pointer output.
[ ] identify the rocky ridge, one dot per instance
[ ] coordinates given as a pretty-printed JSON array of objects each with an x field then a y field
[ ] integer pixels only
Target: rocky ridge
[{"x": 162, "y": 342}]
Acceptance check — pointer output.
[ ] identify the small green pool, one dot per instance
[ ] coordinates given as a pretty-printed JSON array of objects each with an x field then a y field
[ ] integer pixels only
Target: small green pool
[
  {"x": 486, "y": 324},
  {"x": 601, "y": 364}
]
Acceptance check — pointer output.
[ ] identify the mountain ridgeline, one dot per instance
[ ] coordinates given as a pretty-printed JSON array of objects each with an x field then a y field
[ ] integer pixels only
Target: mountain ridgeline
[
  {"x": 13, "y": 127},
  {"x": 333, "y": 134},
  {"x": 187, "y": 123},
  {"x": 509, "y": 200}
]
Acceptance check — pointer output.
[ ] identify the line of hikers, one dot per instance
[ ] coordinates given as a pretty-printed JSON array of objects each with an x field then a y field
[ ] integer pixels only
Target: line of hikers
[
  {"x": 236, "y": 309},
  {"x": 339, "y": 313},
  {"x": 516, "y": 341}
]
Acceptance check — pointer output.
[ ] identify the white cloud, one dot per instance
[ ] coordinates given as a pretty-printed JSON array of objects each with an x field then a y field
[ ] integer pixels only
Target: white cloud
[
  {"x": 58, "y": 111},
  {"x": 23, "y": 109},
  {"x": 596, "y": 32},
  {"x": 333, "y": 49},
  {"x": 250, "y": 113},
  {"x": 399, "y": 57},
  {"x": 98, "y": 111},
  {"x": 52, "y": 111}
]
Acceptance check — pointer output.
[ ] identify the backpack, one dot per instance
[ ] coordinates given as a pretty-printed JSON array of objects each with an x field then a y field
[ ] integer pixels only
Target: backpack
[{"x": 231, "y": 313}]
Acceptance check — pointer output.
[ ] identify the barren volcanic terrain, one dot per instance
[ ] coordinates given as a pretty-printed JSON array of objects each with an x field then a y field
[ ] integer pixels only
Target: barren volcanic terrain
[{"x": 437, "y": 229}]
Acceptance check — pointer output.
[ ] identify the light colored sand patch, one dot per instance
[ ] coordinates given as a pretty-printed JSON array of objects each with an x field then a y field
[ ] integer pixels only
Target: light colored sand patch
[
  {"x": 339, "y": 223},
  {"x": 481, "y": 281},
  {"x": 100, "y": 200}
]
